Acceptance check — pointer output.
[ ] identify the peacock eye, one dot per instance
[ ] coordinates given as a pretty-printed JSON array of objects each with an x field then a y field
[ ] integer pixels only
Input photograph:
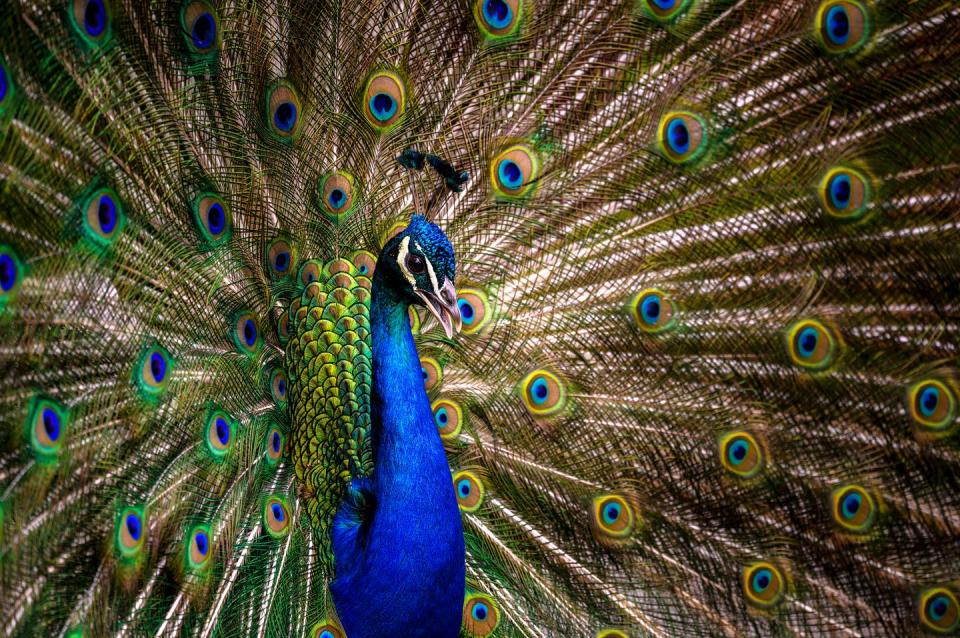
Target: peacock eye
[{"x": 416, "y": 263}]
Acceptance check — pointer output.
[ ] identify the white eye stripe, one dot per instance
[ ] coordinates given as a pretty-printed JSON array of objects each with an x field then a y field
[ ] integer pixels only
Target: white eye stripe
[{"x": 402, "y": 261}]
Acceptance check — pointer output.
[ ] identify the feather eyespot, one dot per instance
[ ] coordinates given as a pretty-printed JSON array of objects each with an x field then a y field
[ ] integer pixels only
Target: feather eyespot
[
  {"x": 281, "y": 256},
  {"x": 365, "y": 262},
  {"x": 6, "y": 87},
  {"x": 682, "y": 137},
  {"x": 611, "y": 633},
  {"x": 384, "y": 100},
  {"x": 844, "y": 193},
  {"x": 842, "y": 25},
  {"x": 854, "y": 509},
  {"x": 938, "y": 610},
  {"x": 283, "y": 111},
  {"x": 326, "y": 629},
  {"x": 664, "y": 10},
  {"x": 498, "y": 18},
  {"x": 514, "y": 171},
  {"x": 152, "y": 374},
  {"x": 130, "y": 532},
  {"x": 432, "y": 373},
  {"x": 278, "y": 386},
  {"x": 811, "y": 344},
  {"x": 543, "y": 393},
  {"x": 213, "y": 219},
  {"x": 46, "y": 427},
  {"x": 480, "y": 615},
  {"x": 763, "y": 584},
  {"x": 474, "y": 309},
  {"x": 310, "y": 272},
  {"x": 11, "y": 274},
  {"x": 613, "y": 516},
  {"x": 246, "y": 333},
  {"x": 92, "y": 20},
  {"x": 469, "y": 491},
  {"x": 103, "y": 217},
  {"x": 273, "y": 445},
  {"x": 276, "y": 517},
  {"x": 740, "y": 454},
  {"x": 199, "y": 548},
  {"x": 336, "y": 194},
  {"x": 449, "y": 418},
  {"x": 201, "y": 27},
  {"x": 932, "y": 404},
  {"x": 219, "y": 433},
  {"x": 653, "y": 310}
]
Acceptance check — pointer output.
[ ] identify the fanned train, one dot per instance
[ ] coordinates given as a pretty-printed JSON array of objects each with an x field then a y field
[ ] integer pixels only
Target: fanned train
[{"x": 482, "y": 318}]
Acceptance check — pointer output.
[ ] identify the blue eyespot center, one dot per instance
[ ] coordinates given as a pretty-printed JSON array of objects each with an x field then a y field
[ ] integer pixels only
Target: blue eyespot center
[
  {"x": 277, "y": 512},
  {"x": 275, "y": 441},
  {"x": 807, "y": 342},
  {"x": 611, "y": 513},
  {"x": 851, "y": 504},
  {"x": 204, "y": 31},
  {"x": 325, "y": 634},
  {"x": 8, "y": 272},
  {"x": 223, "y": 431},
  {"x": 201, "y": 542},
  {"x": 107, "y": 214},
  {"x": 497, "y": 13},
  {"x": 840, "y": 190},
  {"x": 337, "y": 198},
  {"x": 158, "y": 366},
  {"x": 133, "y": 526},
  {"x": 928, "y": 400},
  {"x": 678, "y": 136},
  {"x": 216, "y": 219},
  {"x": 442, "y": 417},
  {"x": 285, "y": 117},
  {"x": 466, "y": 311},
  {"x": 665, "y": 5},
  {"x": 383, "y": 106},
  {"x": 282, "y": 261},
  {"x": 761, "y": 580},
  {"x": 480, "y": 612},
  {"x": 51, "y": 424},
  {"x": 3, "y": 83},
  {"x": 463, "y": 487},
  {"x": 95, "y": 18},
  {"x": 249, "y": 332},
  {"x": 938, "y": 607},
  {"x": 281, "y": 387},
  {"x": 539, "y": 391},
  {"x": 738, "y": 451},
  {"x": 650, "y": 309},
  {"x": 363, "y": 269},
  {"x": 510, "y": 174},
  {"x": 838, "y": 25}
]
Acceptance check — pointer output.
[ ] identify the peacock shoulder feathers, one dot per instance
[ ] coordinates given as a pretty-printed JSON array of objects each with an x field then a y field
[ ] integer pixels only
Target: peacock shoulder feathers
[{"x": 703, "y": 259}]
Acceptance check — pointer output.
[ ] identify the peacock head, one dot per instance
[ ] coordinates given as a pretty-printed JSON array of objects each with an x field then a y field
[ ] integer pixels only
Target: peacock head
[{"x": 419, "y": 264}]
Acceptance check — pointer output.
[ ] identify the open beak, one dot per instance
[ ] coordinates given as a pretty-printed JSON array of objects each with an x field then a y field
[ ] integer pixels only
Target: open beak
[{"x": 444, "y": 307}]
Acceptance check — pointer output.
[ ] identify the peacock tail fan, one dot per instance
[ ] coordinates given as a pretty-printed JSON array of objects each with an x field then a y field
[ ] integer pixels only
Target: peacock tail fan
[{"x": 709, "y": 280}]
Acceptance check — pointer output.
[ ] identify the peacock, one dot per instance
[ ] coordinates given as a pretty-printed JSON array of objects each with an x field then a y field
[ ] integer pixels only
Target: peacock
[{"x": 539, "y": 318}]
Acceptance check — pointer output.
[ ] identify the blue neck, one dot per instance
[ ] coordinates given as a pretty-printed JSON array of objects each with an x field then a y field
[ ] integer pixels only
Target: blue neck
[{"x": 404, "y": 572}]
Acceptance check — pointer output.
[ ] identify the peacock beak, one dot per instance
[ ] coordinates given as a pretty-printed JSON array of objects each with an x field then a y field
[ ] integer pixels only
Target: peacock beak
[{"x": 443, "y": 305}]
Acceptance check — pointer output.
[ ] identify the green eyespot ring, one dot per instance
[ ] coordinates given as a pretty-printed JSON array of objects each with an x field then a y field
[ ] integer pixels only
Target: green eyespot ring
[
  {"x": 543, "y": 393},
  {"x": 613, "y": 516},
  {"x": 469, "y": 491},
  {"x": 763, "y": 584},
  {"x": 854, "y": 508},
  {"x": 740, "y": 454},
  {"x": 811, "y": 344}
]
